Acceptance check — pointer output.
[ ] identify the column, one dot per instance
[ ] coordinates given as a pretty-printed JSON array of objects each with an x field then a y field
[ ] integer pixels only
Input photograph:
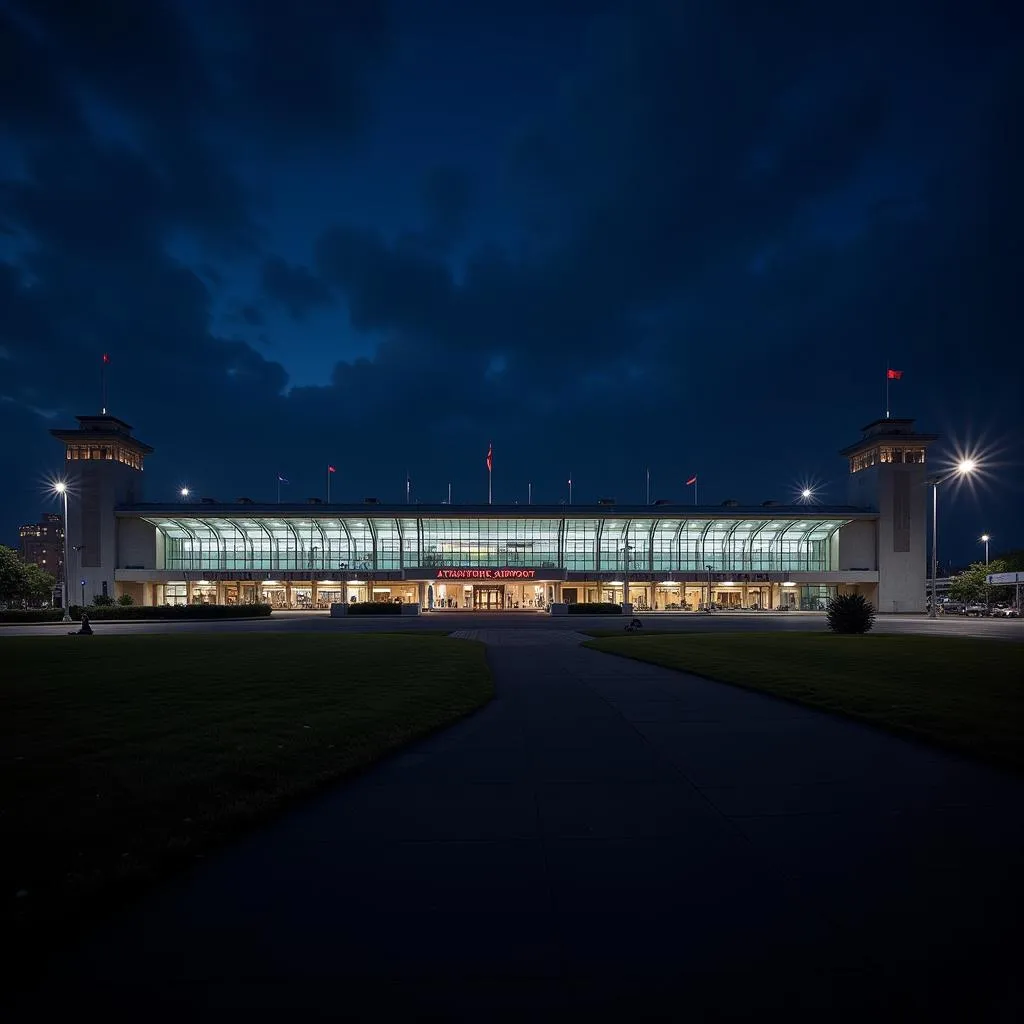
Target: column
[
  {"x": 220, "y": 592},
  {"x": 313, "y": 595},
  {"x": 344, "y": 592},
  {"x": 421, "y": 590},
  {"x": 287, "y": 595},
  {"x": 650, "y": 596},
  {"x": 188, "y": 592}
]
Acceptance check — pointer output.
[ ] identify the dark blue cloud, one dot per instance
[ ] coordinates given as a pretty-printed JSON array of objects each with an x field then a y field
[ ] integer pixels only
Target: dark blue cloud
[
  {"x": 602, "y": 235},
  {"x": 295, "y": 288}
]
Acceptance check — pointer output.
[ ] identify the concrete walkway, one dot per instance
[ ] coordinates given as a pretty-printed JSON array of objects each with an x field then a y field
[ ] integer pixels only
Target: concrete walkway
[{"x": 606, "y": 837}]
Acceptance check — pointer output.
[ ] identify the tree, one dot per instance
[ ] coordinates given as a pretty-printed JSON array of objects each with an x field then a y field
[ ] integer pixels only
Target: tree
[
  {"x": 22, "y": 582},
  {"x": 970, "y": 586},
  {"x": 12, "y": 576},
  {"x": 38, "y": 585}
]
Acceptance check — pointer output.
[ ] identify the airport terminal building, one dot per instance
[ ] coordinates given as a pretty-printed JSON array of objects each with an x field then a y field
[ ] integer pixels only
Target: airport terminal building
[{"x": 661, "y": 557}]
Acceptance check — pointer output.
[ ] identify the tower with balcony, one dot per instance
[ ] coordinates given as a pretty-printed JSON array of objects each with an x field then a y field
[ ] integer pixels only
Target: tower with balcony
[
  {"x": 103, "y": 465},
  {"x": 888, "y": 473}
]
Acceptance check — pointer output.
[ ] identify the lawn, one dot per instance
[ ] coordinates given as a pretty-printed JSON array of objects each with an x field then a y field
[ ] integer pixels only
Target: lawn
[
  {"x": 126, "y": 756},
  {"x": 961, "y": 693}
]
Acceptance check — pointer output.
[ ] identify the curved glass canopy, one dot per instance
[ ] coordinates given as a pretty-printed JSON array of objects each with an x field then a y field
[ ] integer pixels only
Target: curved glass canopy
[{"x": 322, "y": 543}]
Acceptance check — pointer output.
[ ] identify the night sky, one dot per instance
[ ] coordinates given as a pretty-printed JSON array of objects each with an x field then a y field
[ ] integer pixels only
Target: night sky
[{"x": 384, "y": 235}]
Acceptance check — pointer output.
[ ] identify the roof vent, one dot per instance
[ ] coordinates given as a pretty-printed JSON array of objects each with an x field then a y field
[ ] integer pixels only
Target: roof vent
[
  {"x": 730, "y": 503},
  {"x": 314, "y": 501},
  {"x": 662, "y": 501},
  {"x": 606, "y": 501},
  {"x": 371, "y": 501},
  {"x": 768, "y": 504},
  {"x": 245, "y": 501},
  {"x": 208, "y": 501}
]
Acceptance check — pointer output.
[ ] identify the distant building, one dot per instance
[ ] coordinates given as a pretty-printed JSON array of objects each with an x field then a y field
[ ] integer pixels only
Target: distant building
[{"x": 42, "y": 544}]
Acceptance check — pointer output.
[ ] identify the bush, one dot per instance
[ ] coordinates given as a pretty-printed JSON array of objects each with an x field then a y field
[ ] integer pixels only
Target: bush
[
  {"x": 126, "y": 600},
  {"x": 33, "y": 614},
  {"x": 375, "y": 608},
  {"x": 850, "y": 613},
  {"x": 102, "y": 600},
  {"x": 595, "y": 608},
  {"x": 136, "y": 612}
]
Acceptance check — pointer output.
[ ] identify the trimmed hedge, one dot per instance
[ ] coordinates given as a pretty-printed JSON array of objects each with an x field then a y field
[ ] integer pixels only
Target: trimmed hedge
[
  {"x": 118, "y": 613},
  {"x": 31, "y": 614},
  {"x": 595, "y": 608},
  {"x": 374, "y": 608}
]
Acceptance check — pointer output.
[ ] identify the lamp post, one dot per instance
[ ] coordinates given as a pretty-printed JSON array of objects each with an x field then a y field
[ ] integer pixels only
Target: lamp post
[
  {"x": 184, "y": 493},
  {"x": 78, "y": 548},
  {"x": 708, "y": 607},
  {"x": 61, "y": 488},
  {"x": 965, "y": 467},
  {"x": 985, "y": 538}
]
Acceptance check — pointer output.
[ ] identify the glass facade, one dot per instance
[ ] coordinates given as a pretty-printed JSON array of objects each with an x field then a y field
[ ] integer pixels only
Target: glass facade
[{"x": 603, "y": 544}]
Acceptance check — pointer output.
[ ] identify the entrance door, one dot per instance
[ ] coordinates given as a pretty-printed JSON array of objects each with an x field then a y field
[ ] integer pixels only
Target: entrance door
[{"x": 488, "y": 598}]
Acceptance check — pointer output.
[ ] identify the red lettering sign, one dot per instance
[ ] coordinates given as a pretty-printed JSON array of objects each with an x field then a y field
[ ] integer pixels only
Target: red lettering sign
[{"x": 486, "y": 574}]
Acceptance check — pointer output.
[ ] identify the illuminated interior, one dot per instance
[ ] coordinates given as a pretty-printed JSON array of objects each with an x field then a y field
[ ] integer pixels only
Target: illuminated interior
[{"x": 350, "y": 544}]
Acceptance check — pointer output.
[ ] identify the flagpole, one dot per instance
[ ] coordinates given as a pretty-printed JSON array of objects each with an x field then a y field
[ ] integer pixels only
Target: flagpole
[
  {"x": 103, "y": 386},
  {"x": 449, "y": 493},
  {"x": 570, "y": 488},
  {"x": 648, "y": 485},
  {"x": 407, "y": 487},
  {"x": 887, "y": 387},
  {"x": 328, "y": 485},
  {"x": 696, "y": 484},
  {"x": 529, "y": 494},
  {"x": 279, "y": 488}
]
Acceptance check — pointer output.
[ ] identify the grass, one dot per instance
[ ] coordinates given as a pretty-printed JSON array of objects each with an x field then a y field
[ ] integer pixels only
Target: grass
[
  {"x": 127, "y": 756},
  {"x": 961, "y": 693}
]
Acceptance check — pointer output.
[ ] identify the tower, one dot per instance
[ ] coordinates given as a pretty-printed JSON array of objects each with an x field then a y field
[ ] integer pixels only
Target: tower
[
  {"x": 103, "y": 469},
  {"x": 888, "y": 470}
]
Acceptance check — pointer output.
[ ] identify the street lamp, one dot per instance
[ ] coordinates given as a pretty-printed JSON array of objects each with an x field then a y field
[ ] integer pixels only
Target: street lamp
[
  {"x": 61, "y": 488},
  {"x": 985, "y": 538},
  {"x": 965, "y": 467},
  {"x": 184, "y": 493},
  {"x": 806, "y": 493}
]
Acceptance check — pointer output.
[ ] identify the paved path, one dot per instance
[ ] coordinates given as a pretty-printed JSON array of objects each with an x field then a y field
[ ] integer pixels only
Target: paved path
[
  {"x": 320, "y": 622},
  {"x": 609, "y": 838}
]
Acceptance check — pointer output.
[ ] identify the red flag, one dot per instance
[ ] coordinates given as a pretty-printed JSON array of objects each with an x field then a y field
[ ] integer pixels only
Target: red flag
[
  {"x": 106, "y": 358},
  {"x": 490, "y": 457},
  {"x": 894, "y": 374},
  {"x": 331, "y": 469},
  {"x": 692, "y": 480}
]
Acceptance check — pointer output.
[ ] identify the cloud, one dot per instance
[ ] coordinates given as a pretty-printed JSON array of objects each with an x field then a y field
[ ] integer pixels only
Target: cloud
[
  {"x": 447, "y": 195},
  {"x": 294, "y": 287},
  {"x": 609, "y": 287}
]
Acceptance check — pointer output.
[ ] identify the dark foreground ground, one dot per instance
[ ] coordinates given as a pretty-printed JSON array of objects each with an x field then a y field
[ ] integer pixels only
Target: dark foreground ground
[{"x": 608, "y": 838}]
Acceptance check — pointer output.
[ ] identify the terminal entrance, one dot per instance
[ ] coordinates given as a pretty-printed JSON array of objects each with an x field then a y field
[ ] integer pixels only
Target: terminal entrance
[{"x": 488, "y": 598}]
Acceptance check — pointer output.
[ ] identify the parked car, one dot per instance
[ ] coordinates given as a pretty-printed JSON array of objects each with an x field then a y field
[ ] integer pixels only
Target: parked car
[
  {"x": 977, "y": 610},
  {"x": 1006, "y": 612}
]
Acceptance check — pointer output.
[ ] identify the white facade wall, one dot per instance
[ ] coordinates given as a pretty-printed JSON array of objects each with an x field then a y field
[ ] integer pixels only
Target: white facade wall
[
  {"x": 137, "y": 544},
  {"x": 899, "y": 493},
  {"x": 858, "y": 548},
  {"x": 95, "y": 487}
]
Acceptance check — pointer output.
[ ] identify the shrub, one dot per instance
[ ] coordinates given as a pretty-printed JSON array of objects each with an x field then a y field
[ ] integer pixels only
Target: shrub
[
  {"x": 126, "y": 600},
  {"x": 375, "y": 608},
  {"x": 33, "y": 614},
  {"x": 137, "y": 611},
  {"x": 102, "y": 600},
  {"x": 850, "y": 613},
  {"x": 595, "y": 608}
]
